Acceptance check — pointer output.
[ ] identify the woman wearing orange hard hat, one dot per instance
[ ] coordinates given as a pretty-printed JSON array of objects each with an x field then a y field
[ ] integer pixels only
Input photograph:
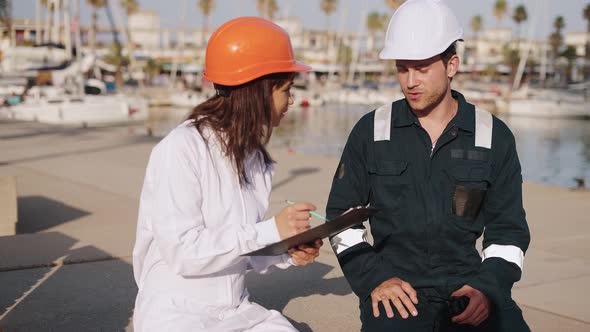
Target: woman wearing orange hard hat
[{"x": 206, "y": 192}]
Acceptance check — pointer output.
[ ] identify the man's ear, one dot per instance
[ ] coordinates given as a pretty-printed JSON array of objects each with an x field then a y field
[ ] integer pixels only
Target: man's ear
[{"x": 453, "y": 66}]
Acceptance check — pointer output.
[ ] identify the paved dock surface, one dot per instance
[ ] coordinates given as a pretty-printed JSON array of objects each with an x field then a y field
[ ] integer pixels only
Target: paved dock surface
[{"x": 69, "y": 268}]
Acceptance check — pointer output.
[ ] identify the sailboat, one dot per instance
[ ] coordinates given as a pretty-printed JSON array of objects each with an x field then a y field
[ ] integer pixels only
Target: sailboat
[
  {"x": 547, "y": 103},
  {"x": 53, "y": 105}
]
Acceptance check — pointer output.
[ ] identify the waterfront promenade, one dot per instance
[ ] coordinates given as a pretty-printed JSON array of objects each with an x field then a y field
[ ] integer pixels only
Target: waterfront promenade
[{"x": 69, "y": 268}]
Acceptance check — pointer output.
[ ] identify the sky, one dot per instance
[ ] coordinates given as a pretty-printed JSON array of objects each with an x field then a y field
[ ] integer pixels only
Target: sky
[{"x": 349, "y": 15}]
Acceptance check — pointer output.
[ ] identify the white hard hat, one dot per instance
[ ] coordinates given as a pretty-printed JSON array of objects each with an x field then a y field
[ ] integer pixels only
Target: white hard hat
[{"x": 420, "y": 29}]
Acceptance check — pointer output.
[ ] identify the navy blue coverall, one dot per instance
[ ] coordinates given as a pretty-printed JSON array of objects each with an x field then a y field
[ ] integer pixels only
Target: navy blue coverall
[{"x": 434, "y": 204}]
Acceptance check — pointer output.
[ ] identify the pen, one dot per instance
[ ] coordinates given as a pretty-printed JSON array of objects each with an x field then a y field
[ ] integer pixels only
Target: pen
[{"x": 317, "y": 215}]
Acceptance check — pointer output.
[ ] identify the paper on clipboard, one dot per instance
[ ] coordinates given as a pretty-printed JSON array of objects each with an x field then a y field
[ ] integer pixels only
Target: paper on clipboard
[{"x": 332, "y": 227}]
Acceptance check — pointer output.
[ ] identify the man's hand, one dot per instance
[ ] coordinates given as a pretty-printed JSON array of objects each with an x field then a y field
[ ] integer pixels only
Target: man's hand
[
  {"x": 478, "y": 308},
  {"x": 400, "y": 293},
  {"x": 305, "y": 254}
]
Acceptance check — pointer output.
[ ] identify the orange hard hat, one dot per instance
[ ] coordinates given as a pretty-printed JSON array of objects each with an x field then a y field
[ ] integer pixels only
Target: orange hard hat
[{"x": 246, "y": 48}]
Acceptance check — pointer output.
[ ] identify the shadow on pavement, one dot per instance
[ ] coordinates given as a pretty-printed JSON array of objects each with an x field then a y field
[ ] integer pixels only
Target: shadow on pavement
[
  {"x": 276, "y": 289},
  {"x": 43, "y": 288},
  {"x": 42, "y": 294},
  {"x": 293, "y": 174},
  {"x": 37, "y": 213}
]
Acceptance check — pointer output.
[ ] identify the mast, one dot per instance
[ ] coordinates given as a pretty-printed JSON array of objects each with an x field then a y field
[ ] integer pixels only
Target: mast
[
  {"x": 174, "y": 69},
  {"x": 67, "y": 28},
  {"x": 525, "y": 55},
  {"x": 339, "y": 37},
  {"x": 37, "y": 22},
  {"x": 128, "y": 42},
  {"x": 78, "y": 45},
  {"x": 55, "y": 25},
  {"x": 543, "y": 70},
  {"x": 357, "y": 44}
]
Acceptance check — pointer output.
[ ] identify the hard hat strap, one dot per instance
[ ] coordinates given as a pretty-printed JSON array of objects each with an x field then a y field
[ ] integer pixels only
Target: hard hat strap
[{"x": 222, "y": 90}]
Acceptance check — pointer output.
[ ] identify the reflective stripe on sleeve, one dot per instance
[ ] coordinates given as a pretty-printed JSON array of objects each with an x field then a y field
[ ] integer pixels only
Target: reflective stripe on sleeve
[
  {"x": 483, "y": 128},
  {"x": 382, "y": 123},
  {"x": 347, "y": 239},
  {"x": 507, "y": 252}
]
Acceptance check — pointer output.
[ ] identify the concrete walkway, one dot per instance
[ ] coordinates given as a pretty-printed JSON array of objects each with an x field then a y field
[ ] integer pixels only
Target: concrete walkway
[{"x": 69, "y": 267}]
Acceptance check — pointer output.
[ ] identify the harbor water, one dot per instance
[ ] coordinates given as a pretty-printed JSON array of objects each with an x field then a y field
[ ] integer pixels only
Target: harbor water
[{"x": 551, "y": 151}]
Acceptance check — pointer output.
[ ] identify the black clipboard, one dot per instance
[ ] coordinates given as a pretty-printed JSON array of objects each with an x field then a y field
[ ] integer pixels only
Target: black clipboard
[{"x": 332, "y": 227}]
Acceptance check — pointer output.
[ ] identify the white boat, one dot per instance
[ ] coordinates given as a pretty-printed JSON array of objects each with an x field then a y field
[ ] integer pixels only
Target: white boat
[
  {"x": 307, "y": 98},
  {"x": 364, "y": 96},
  {"x": 546, "y": 103},
  {"x": 549, "y": 104},
  {"x": 187, "y": 99},
  {"x": 548, "y": 108},
  {"x": 86, "y": 110}
]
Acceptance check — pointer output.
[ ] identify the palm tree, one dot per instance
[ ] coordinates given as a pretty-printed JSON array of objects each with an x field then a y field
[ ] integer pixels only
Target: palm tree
[
  {"x": 131, "y": 7},
  {"x": 49, "y": 7},
  {"x": 586, "y": 15},
  {"x": 511, "y": 59},
  {"x": 394, "y": 4},
  {"x": 570, "y": 55},
  {"x": 119, "y": 61},
  {"x": 559, "y": 23},
  {"x": 328, "y": 7},
  {"x": 520, "y": 15},
  {"x": 152, "y": 69},
  {"x": 500, "y": 9},
  {"x": 556, "y": 39},
  {"x": 6, "y": 17},
  {"x": 476, "y": 24},
  {"x": 206, "y": 7},
  {"x": 376, "y": 22},
  {"x": 267, "y": 8},
  {"x": 96, "y": 5}
]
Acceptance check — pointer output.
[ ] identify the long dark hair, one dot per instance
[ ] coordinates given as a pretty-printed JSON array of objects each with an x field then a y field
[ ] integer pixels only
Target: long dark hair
[{"x": 241, "y": 118}]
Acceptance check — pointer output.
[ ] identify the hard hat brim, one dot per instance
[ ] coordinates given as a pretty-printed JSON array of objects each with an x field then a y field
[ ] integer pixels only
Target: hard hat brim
[
  {"x": 390, "y": 53},
  {"x": 254, "y": 72}
]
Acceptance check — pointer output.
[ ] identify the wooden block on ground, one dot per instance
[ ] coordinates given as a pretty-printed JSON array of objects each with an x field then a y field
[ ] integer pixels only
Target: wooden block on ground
[{"x": 8, "y": 205}]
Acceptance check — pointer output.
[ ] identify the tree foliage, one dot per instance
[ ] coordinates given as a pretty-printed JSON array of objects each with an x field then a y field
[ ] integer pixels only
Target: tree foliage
[
  {"x": 394, "y": 4},
  {"x": 267, "y": 8},
  {"x": 500, "y": 9},
  {"x": 130, "y": 6},
  {"x": 476, "y": 24}
]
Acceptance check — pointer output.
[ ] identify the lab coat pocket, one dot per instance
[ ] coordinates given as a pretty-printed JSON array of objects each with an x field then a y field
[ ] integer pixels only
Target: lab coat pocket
[{"x": 390, "y": 182}]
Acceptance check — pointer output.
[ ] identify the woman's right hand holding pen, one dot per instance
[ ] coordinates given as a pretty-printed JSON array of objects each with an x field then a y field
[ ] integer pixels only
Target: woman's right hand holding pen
[{"x": 294, "y": 219}]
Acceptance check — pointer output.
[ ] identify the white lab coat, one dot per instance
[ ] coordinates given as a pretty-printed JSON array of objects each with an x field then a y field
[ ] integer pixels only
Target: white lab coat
[{"x": 195, "y": 221}]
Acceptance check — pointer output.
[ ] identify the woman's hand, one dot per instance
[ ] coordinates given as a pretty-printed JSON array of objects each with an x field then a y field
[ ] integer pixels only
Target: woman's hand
[
  {"x": 293, "y": 219},
  {"x": 305, "y": 254}
]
